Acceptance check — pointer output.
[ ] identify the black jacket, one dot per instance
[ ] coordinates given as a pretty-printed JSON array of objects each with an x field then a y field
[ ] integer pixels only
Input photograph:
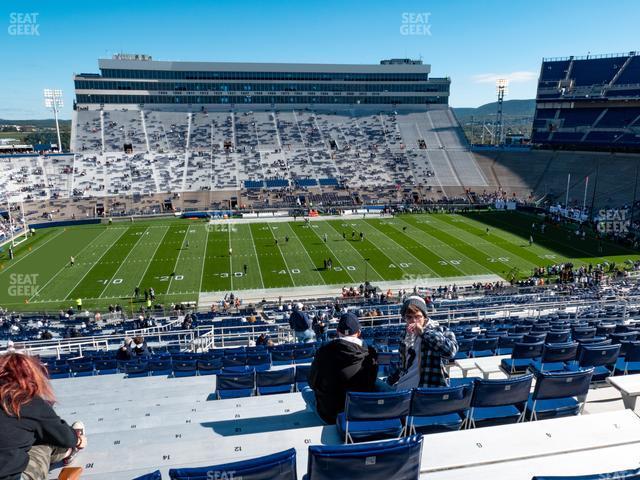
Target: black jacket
[
  {"x": 337, "y": 368},
  {"x": 299, "y": 321},
  {"x": 38, "y": 425}
]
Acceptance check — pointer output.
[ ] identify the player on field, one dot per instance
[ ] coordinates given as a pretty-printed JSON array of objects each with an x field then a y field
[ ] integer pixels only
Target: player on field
[{"x": 72, "y": 261}]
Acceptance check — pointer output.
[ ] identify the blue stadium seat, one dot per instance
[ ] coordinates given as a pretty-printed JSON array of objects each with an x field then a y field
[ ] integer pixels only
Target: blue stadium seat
[
  {"x": 278, "y": 466},
  {"x": 260, "y": 362},
  {"x": 441, "y": 408},
  {"x": 484, "y": 347},
  {"x": 302, "y": 374},
  {"x": 583, "y": 333},
  {"x": 630, "y": 363},
  {"x": 304, "y": 355},
  {"x": 150, "y": 476},
  {"x": 373, "y": 415},
  {"x": 620, "y": 475},
  {"x": 82, "y": 368},
  {"x": 136, "y": 369},
  {"x": 534, "y": 337},
  {"x": 392, "y": 459},
  {"x": 160, "y": 366},
  {"x": 507, "y": 342},
  {"x": 275, "y": 381},
  {"x": 521, "y": 357},
  {"x": 106, "y": 367},
  {"x": 499, "y": 400},
  {"x": 282, "y": 356},
  {"x": 59, "y": 371},
  {"x": 185, "y": 368},
  {"x": 234, "y": 364},
  {"x": 603, "y": 358},
  {"x": 464, "y": 347},
  {"x": 554, "y": 357},
  {"x": 558, "y": 336},
  {"x": 620, "y": 337},
  {"x": 559, "y": 394},
  {"x": 212, "y": 366},
  {"x": 235, "y": 385}
]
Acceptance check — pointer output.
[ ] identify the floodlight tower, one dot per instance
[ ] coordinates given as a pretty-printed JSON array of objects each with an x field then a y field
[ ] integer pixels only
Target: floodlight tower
[
  {"x": 502, "y": 85},
  {"x": 53, "y": 100}
]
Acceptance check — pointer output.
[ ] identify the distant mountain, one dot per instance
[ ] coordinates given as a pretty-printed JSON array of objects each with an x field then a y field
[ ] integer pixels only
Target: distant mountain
[
  {"x": 516, "y": 108},
  {"x": 47, "y": 123}
]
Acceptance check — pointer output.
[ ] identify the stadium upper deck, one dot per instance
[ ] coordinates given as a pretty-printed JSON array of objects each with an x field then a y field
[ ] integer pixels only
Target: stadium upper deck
[
  {"x": 139, "y": 80},
  {"x": 591, "y": 101}
]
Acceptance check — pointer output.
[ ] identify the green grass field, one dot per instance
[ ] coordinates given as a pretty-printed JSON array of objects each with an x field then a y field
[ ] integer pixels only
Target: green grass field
[{"x": 181, "y": 258}]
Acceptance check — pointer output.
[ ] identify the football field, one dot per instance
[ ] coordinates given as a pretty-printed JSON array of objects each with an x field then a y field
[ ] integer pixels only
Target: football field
[{"x": 182, "y": 258}]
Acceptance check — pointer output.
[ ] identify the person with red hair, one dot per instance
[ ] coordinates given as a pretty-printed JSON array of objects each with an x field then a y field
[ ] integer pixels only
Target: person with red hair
[{"x": 32, "y": 436}]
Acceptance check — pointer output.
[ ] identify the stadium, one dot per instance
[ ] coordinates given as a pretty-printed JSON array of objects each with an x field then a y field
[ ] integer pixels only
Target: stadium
[{"x": 287, "y": 270}]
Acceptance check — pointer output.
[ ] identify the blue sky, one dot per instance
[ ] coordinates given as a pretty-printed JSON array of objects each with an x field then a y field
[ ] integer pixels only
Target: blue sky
[{"x": 473, "y": 42}]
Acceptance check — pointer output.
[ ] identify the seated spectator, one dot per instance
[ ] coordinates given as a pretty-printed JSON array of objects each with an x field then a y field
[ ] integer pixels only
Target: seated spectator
[
  {"x": 125, "y": 352},
  {"x": 32, "y": 435},
  {"x": 343, "y": 365},
  {"x": 264, "y": 340},
  {"x": 425, "y": 349}
]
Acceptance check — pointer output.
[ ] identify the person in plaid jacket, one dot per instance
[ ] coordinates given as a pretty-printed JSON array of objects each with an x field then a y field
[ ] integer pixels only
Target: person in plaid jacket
[{"x": 425, "y": 349}]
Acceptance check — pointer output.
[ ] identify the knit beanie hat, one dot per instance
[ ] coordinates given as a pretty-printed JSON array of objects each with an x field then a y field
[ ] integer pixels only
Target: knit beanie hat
[{"x": 414, "y": 300}]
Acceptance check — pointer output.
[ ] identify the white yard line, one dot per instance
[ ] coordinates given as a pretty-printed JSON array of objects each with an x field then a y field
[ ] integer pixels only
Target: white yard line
[
  {"x": 230, "y": 259},
  {"x": 401, "y": 247},
  {"x": 95, "y": 263},
  {"x": 154, "y": 254},
  {"x": 483, "y": 268},
  {"x": 204, "y": 256},
  {"x": 334, "y": 254},
  {"x": 305, "y": 251},
  {"x": 123, "y": 262},
  {"x": 358, "y": 253},
  {"x": 284, "y": 259},
  {"x": 31, "y": 252},
  {"x": 253, "y": 244},
  {"x": 65, "y": 265},
  {"x": 186, "y": 233}
]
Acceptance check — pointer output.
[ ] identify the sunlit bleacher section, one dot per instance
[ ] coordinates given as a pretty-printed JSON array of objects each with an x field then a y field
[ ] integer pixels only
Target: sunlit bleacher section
[
  {"x": 543, "y": 384},
  {"x": 587, "y": 102},
  {"x": 152, "y": 152}
]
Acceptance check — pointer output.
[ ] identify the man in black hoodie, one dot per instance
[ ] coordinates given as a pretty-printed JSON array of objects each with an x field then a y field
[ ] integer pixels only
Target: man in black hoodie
[{"x": 344, "y": 365}]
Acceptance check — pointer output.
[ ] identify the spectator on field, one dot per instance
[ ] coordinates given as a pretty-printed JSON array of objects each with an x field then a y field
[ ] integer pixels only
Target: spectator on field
[
  {"x": 301, "y": 325},
  {"x": 32, "y": 436},
  {"x": 425, "y": 349},
  {"x": 125, "y": 352},
  {"x": 343, "y": 365}
]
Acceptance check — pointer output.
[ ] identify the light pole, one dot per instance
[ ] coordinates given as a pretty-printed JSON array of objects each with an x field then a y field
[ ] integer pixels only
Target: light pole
[
  {"x": 501, "y": 89},
  {"x": 53, "y": 100}
]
